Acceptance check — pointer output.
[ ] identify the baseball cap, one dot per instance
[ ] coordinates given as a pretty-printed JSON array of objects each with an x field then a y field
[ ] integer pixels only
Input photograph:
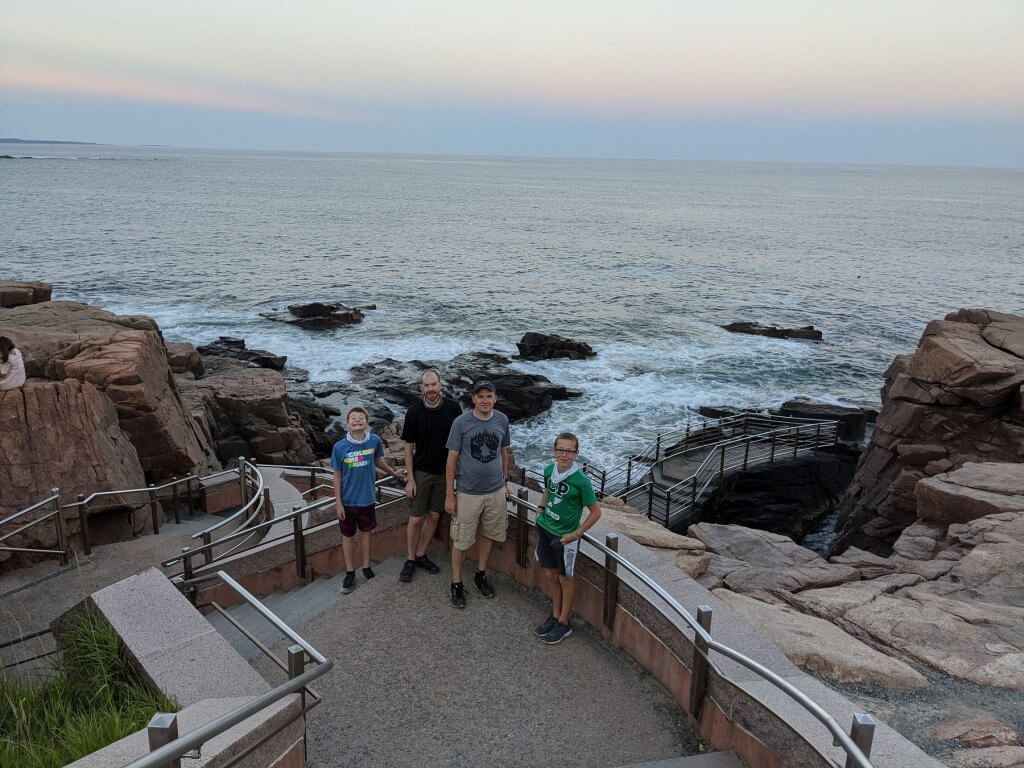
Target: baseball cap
[{"x": 484, "y": 384}]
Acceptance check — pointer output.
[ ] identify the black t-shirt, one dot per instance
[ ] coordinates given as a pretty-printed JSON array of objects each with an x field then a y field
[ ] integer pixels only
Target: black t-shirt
[{"x": 427, "y": 429}]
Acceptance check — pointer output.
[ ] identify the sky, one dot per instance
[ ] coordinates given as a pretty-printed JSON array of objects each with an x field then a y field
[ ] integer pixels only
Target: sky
[{"x": 893, "y": 81}]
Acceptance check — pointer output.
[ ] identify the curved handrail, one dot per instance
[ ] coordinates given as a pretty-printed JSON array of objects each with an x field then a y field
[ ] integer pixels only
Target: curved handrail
[
  {"x": 819, "y": 713},
  {"x": 256, "y": 500}
]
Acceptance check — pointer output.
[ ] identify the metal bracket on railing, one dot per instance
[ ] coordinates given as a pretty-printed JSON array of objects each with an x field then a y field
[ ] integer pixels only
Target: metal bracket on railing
[{"x": 163, "y": 729}]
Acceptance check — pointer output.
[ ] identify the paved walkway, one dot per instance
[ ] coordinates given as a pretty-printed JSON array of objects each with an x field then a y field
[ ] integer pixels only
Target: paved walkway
[{"x": 418, "y": 683}]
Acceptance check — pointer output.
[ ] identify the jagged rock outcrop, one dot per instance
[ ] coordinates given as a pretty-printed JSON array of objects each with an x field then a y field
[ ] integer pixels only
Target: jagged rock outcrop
[
  {"x": 246, "y": 411},
  {"x": 774, "y": 331},
  {"x": 184, "y": 359},
  {"x": 227, "y": 346},
  {"x": 14, "y": 293},
  {"x": 64, "y": 434},
  {"x": 124, "y": 358},
  {"x": 541, "y": 346},
  {"x": 318, "y": 315},
  {"x": 956, "y": 399}
]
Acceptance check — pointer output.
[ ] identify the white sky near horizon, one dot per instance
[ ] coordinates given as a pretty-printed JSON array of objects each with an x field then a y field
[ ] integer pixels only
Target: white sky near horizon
[{"x": 362, "y": 65}]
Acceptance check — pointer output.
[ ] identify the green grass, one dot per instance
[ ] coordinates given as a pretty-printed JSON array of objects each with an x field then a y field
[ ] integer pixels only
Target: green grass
[{"x": 92, "y": 698}]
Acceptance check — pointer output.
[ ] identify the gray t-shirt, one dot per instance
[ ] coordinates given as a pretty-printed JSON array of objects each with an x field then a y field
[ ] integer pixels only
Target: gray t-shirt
[{"x": 479, "y": 444}]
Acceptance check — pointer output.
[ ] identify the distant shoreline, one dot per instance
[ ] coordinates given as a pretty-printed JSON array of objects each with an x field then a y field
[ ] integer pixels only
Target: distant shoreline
[{"x": 10, "y": 140}]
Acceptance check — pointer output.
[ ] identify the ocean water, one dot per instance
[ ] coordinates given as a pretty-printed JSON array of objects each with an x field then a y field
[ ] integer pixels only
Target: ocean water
[{"x": 644, "y": 260}]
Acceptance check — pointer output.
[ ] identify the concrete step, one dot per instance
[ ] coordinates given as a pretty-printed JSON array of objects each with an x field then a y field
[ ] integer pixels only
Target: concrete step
[
  {"x": 708, "y": 760},
  {"x": 296, "y": 608}
]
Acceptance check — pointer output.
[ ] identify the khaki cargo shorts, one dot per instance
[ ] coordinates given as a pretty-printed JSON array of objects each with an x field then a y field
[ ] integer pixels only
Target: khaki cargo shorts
[{"x": 487, "y": 509}]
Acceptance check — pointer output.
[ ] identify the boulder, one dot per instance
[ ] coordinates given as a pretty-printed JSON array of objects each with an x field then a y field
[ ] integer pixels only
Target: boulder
[
  {"x": 821, "y": 647},
  {"x": 184, "y": 359},
  {"x": 227, "y": 346},
  {"x": 853, "y": 422},
  {"x": 14, "y": 293},
  {"x": 956, "y": 400},
  {"x": 317, "y": 315},
  {"x": 870, "y": 566},
  {"x": 541, "y": 346},
  {"x": 746, "y": 560},
  {"x": 975, "y": 490},
  {"x": 65, "y": 434},
  {"x": 123, "y": 357},
  {"x": 247, "y": 412},
  {"x": 977, "y": 731},
  {"x": 774, "y": 331}
]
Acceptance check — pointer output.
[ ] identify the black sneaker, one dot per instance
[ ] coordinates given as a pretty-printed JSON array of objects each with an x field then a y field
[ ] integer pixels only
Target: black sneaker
[
  {"x": 547, "y": 626},
  {"x": 458, "y": 595},
  {"x": 558, "y": 633},
  {"x": 407, "y": 569},
  {"x": 427, "y": 564},
  {"x": 368, "y": 573},
  {"x": 349, "y": 583},
  {"x": 483, "y": 584}
]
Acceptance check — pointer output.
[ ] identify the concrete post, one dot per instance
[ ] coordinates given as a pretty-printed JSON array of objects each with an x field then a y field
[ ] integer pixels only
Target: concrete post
[
  {"x": 611, "y": 580},
  {"x": 163, "y": 729},
  {"x": 699, "y": 668}
]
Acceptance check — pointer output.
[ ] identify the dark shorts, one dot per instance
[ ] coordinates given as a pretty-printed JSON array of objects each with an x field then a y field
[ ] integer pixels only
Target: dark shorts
[
  {"x": 363, "y": 517},
  {"x": 552, "y": 553},
  {"x": 429, "y": 494}
]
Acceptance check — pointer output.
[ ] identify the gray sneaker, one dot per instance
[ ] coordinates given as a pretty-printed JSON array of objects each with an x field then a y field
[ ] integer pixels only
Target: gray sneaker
[
  {"x": 547, "y": 626},
  {"x": 349, "y": 582},
  {"x": 558, "y": 634}
]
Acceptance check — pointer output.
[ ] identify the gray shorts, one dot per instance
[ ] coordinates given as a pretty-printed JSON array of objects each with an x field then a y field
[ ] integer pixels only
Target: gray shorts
[{"x": 429, "y": 494}]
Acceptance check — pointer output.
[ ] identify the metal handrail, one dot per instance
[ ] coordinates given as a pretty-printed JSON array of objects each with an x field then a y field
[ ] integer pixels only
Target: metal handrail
[
  {"x": 26, "y": 510},
  {"x": 256, "y": 500},
  {"x": 842, "y": 738},
  {"x": 175, "y": 749}
]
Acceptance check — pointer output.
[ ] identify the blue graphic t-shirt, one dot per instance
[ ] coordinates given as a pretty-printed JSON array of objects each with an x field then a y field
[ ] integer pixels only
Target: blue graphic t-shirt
[{"x": 356, "y": 461}]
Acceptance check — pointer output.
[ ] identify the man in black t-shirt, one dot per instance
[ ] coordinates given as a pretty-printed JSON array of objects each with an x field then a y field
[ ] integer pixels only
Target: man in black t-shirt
[{"x": 426, "y": 428}]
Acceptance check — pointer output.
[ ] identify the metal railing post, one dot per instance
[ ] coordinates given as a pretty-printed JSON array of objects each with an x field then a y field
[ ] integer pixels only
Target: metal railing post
[
  {"x": 721, "y": 464},
  {"x": 699, "y": 668},
  {"x": 657, "y": 450},
  {"x": 312, "y": 483},
  {"x": 522, "y": 529},
  {"x": 686, "y": 440},
  {"x": 862, "y": 731},
  {"x": 152, "y": 509},
  {"x": 187, "y": 573},
  {"x": 746, "y": 454},
  {"x": 611, "y": 580},
  {"x": 243, "y": 495},
  {"x": 771, "y": 456},
  {"x": 817, "y": 434},
  {"x": 83, "y": 524},
  {"x": 191, "y": 496},
  {"x": 650, "y": 499},
  {"x": 835, "y": 434},
  {"x": 300, "y": 544},
  {"x": 629, "y": 472},
  {"x": 207, "y": 538},
  {"x": 163, "y": 729},
  {"x": 62, "y": 534},
  {"x": 604, "y": 477},
  {"x": 796, "y": 442},
  {"x": 693, "y": 494},
  {"x": 668, "y": 506},
  {"x": 176, "y": 501}
]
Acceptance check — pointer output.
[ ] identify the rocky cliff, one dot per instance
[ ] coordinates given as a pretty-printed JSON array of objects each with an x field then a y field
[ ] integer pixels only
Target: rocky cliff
[{"x": 956, "y": 399}]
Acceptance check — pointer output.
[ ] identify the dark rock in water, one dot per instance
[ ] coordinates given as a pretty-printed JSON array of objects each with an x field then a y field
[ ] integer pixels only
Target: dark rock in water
[
  {"x": 319, "y": 422},
  {"x": 317, "y": 315},
  {"x": 520, "y": 395},
  {"x": 774, "y": 331},
  {"x": 226, "y": 346},
  {"x": 540, "y": 346},
  {"x": 852, "y": 421},
  {"x": 294, "y": 375},
  {"x": 793, "y": 497}
]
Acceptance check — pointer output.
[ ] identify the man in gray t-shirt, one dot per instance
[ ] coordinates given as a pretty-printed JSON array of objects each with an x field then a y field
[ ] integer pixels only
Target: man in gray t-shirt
[{"x": 476, "y": 485}]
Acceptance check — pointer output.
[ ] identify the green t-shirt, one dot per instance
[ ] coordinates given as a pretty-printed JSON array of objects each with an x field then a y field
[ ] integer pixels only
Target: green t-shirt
[{"x": 566, "y": 501}]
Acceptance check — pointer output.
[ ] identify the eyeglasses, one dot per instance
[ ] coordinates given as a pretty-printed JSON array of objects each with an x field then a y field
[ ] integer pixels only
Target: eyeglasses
[{"x": 566, "y": 450}]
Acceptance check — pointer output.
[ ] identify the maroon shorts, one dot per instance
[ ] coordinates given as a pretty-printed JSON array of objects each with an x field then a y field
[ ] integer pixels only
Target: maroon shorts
[{"x": 364, "y": 517}]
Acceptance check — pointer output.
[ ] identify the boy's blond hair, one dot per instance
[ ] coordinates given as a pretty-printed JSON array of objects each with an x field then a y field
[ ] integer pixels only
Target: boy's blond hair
[{"x": 357, "y": 409}]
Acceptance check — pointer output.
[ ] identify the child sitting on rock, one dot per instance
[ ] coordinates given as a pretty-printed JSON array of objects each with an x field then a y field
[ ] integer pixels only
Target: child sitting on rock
[
  {"x": 353, "y": 460},
  {"x": 566, "y": 492},
  {"x": 12, "y": 367}
]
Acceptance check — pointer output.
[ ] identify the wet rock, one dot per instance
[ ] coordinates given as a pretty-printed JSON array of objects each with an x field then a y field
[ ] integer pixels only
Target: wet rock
[
  {"x": 774, "y": 331},
  {"x": 124, "y": 357},
  {"x": 955, "y": 400},
  {"x": 318, "y": 421},
  {"x": 821, "y": 647},
  {"x": 226, "y": 346},
  {"x": 317, "y": 315},
  {"x": 184, "y": 359},
  {"x": 745, "y": 560},
  {"x": 853, "y": 422},
  {"x": 541, "y": 346},
  {"x": 14, "y": 293}
]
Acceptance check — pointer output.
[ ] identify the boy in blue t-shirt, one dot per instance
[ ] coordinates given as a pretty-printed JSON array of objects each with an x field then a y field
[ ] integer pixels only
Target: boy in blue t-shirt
[{"x": 353, "y": 460}]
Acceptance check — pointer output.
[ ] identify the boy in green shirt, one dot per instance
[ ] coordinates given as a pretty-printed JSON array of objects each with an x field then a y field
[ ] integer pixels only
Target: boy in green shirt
[{"x": 566, "y": 492}]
